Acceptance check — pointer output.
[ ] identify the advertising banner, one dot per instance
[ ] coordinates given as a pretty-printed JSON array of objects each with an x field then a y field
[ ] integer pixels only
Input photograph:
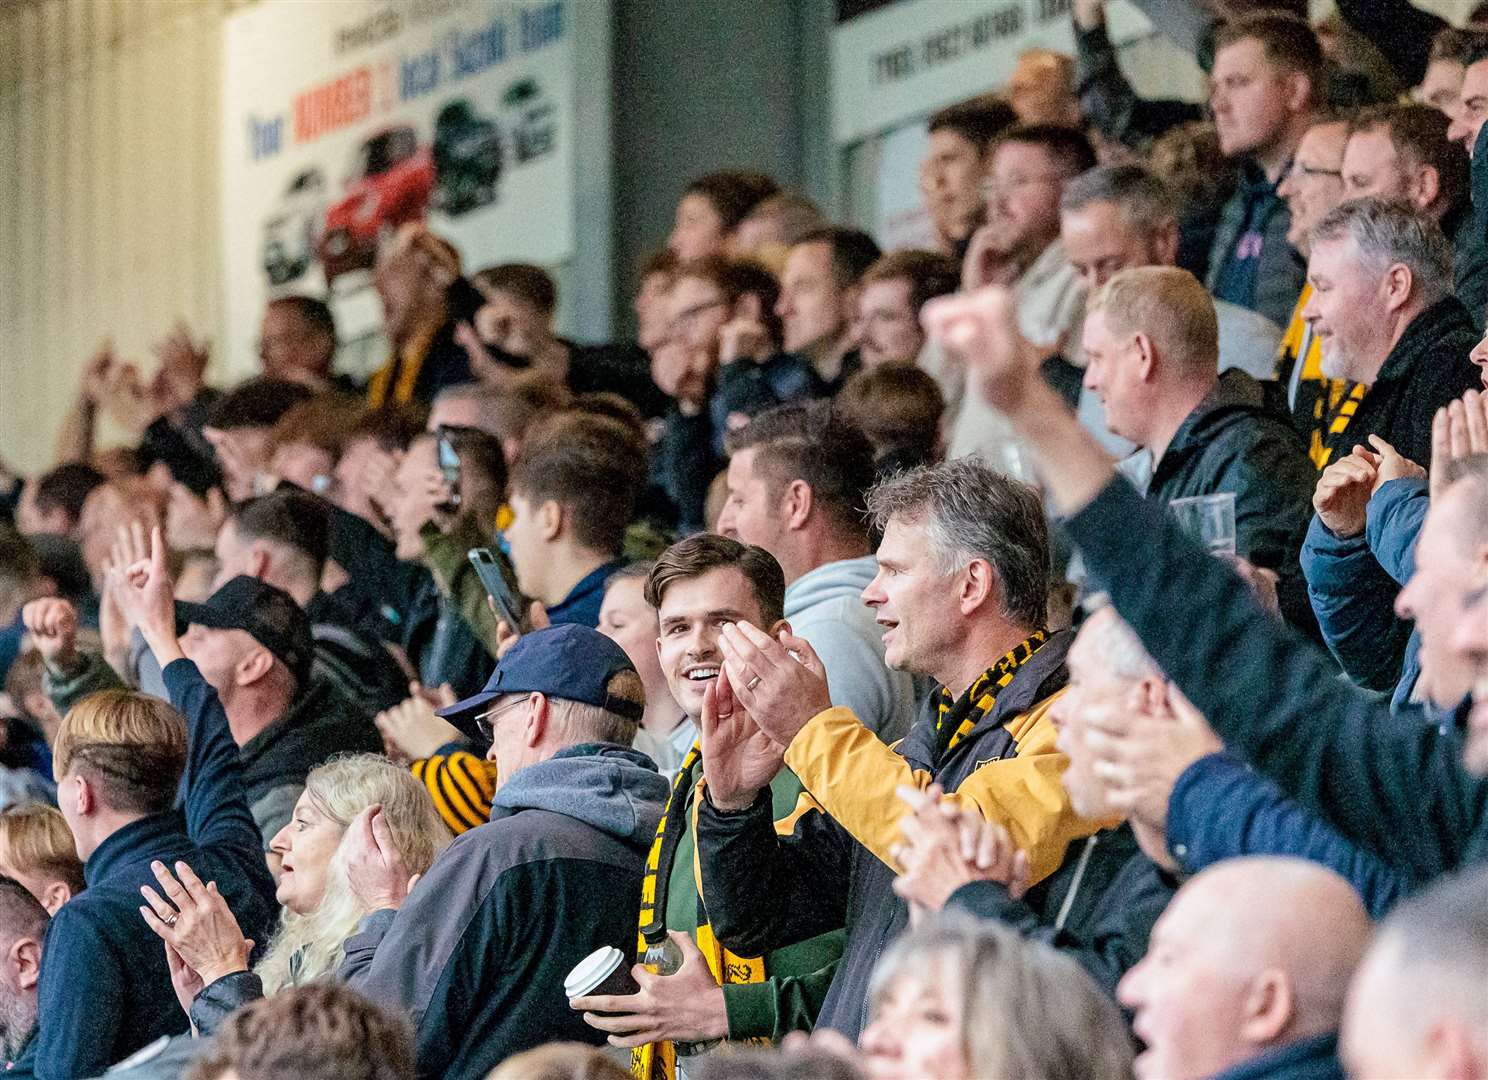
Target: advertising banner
[{"x": 344, "y": 120}]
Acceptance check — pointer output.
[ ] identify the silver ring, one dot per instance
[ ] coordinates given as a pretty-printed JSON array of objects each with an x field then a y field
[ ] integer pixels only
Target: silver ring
[
  {"x": 752, "y": 683},
  {"x": 171, "y": 919}
]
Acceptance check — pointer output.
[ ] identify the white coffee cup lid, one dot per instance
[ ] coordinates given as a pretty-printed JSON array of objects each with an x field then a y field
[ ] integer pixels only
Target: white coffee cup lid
[{"x": 594, "y": 969}]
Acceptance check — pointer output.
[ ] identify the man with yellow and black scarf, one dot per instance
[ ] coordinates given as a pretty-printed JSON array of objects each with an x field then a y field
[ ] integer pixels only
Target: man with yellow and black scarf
[
  {"x": 699, "y": 586},
  {"x": 962, "y": 590}
]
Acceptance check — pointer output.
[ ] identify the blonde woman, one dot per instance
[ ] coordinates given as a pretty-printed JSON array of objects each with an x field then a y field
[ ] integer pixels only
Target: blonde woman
[
  {"x": 959, "y": 999},
  {"x": 38, "y": 851},
  {"x": 208, "y": 953}
]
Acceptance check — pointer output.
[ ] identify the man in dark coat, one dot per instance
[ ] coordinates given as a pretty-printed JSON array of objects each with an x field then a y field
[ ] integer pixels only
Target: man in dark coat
[{"x": 1151, "y": 340}]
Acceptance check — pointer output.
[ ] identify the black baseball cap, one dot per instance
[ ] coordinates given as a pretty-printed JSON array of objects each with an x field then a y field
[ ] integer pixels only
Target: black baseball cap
[
  {"x": 570, "y": 661},
  {"x": 269, "y": 615}
]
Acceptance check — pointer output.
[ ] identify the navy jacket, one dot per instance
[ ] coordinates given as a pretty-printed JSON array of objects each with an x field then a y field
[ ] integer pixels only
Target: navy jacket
[
  {"x": 1113, "y": 938},
  {"x": 105, "y": 989},
  {"x": 1391, "y": 783},
  {"x": 581, "y": 605},
  {"x": 1353, "y": 581},
  {"x": 478, "y": 952},
  {"x": 1309, "y": 1059},
  {"x": 1222, "y": 809}
]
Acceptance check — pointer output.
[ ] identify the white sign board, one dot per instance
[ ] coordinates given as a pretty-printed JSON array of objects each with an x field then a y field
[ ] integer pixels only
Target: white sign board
[
  {"x": 343, "y": 120},
  {"x": 906, "y": 60}
]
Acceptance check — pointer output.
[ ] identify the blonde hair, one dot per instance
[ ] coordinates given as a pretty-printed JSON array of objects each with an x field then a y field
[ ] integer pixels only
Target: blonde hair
[
  {"x": 130, "y": 746},
  {"x": 1004, "y": 979},
  {"x": 309, "y": 946},
  {"x": 35, "y": 841},
  {"x": 1167, "y": 305}
]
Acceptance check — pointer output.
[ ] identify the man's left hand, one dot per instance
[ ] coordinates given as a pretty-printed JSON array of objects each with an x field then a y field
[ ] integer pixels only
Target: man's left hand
[
  {"x": 685, "y": 1007},
  {"x": 779, "y": 691}
]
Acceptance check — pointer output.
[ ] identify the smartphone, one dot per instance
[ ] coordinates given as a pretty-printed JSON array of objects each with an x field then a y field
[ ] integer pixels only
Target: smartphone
[
  {"x": 488, "y": 569},
  {"x": 449, "y": 468}
]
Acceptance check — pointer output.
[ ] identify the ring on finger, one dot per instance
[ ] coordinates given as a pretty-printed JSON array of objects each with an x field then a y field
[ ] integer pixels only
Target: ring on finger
[
  {"x": 172, "y": 918},
  {"x": 752, "y": 683}
]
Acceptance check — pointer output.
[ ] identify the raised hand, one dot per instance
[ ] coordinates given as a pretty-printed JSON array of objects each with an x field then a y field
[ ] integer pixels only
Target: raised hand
[
  {"x": 52, "y": 624},
  {"x": 981, "y": 329},
  {"x": 1457, "y": 430},
  {"x": 739, "y": 760},
  {"x": 1343, "y": 492},
  {"x": 780, "y": 692},
  {"x": 142, "y": 586},
  {"x": 375, "y": 869},
  {"x": 411, "y": 731},
  {"x": 1140, "y": 751},
  {"x": 195, "y": 923}
]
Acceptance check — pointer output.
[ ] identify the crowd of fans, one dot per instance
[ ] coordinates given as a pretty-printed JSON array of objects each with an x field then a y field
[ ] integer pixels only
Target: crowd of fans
[{"x": 817, "y": 686}]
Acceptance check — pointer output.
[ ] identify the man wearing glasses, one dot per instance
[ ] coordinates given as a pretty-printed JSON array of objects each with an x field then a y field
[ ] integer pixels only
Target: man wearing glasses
[
  {"x": 1019, "y": 247},
  {"x": 478, "y": 951}
]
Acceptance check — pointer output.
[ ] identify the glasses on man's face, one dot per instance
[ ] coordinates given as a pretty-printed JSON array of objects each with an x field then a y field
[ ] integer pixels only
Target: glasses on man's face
[
  {"x": 485, "y": 723},
  {"x": 994, "y": 186},
  {"x": 1301, "y": 169},
  {"x": 683, "y": 321}
]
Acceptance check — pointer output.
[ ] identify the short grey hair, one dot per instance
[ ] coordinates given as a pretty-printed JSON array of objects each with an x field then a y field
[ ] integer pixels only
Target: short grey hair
[
  {"x": 971, "y": 511},
  {"x": 1391, "y": 231},
  {"x": 1115, "y": 642},
  {"x": 1138, "y": 192}
]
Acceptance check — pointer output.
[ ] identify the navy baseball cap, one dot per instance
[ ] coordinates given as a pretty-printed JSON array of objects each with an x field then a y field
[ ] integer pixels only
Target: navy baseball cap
[
  {"x": 570, "y": 661},
  {"x": 269, "y": 615}
]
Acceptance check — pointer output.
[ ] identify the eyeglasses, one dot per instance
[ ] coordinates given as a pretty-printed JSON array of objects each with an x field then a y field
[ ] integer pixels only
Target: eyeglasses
[
  {"x": 686, "y": 316},
  {"x": 992, "y": 186},
  {"x": 485, "y": 723},
  {"x": 1299, "y": 169}
]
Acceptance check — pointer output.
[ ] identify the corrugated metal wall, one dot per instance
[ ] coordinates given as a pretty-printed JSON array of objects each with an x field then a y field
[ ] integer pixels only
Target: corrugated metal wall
[{"x": 108, "y": 193}]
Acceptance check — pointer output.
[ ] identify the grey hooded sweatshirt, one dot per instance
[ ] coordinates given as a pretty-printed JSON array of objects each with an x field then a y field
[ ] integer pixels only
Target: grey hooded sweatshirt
[
  {"x": 478, "y": 952},
  {"x": 825, "y": 606}
]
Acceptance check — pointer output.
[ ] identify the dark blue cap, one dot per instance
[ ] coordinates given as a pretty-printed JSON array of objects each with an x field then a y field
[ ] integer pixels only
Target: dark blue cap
[{"x": 570, "y": 661}]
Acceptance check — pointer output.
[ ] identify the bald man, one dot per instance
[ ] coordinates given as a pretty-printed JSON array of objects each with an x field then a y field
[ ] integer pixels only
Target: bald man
[
  {"x": 1419, "y": 1004},
  {"x": 1246, "y": 973}
]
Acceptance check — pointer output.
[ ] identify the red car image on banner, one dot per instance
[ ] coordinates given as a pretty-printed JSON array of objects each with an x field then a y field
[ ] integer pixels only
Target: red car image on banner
[{"x": 390, "y": 183}]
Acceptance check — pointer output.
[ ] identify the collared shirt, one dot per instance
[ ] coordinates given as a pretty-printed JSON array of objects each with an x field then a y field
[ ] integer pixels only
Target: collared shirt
[
  {"x": 668, "y": 750},
  {"x": 581, "y": 605}
]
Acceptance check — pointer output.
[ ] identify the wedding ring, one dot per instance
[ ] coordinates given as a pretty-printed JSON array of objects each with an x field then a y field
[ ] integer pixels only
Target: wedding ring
[
  {"x": 752, "y": 683},
  {"x": 170, "y": 920}
]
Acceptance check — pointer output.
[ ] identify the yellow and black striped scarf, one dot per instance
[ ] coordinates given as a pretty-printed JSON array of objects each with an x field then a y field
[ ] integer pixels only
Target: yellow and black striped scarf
[
  {"x": 658, "y": 1061},
  {"x": 957, "y": 717},
  {"x": 1331, "y": 413}
]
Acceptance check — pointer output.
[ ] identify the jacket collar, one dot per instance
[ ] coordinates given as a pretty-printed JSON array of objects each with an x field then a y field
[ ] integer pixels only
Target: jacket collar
[
  {"x": 1040, "y": 676},
  {"x": 141, "y": 838},
  {"x": 1234, "y": 391},
  {"x": 1307, "y": 1059},
  {"x": 1421, "y": 336},
  {"x": 585, "y": 588}
]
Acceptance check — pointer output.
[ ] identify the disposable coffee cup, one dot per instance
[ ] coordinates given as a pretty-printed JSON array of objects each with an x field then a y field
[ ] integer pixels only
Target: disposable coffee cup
[{"x": 603, "y": 972}]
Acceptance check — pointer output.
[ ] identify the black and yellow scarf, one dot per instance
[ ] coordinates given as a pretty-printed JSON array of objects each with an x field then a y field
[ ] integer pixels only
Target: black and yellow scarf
[
  {"x": 658, "y": 1061},
  {"x": 1331, "y": 413},
  {"x": 956, "y": 718}
]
